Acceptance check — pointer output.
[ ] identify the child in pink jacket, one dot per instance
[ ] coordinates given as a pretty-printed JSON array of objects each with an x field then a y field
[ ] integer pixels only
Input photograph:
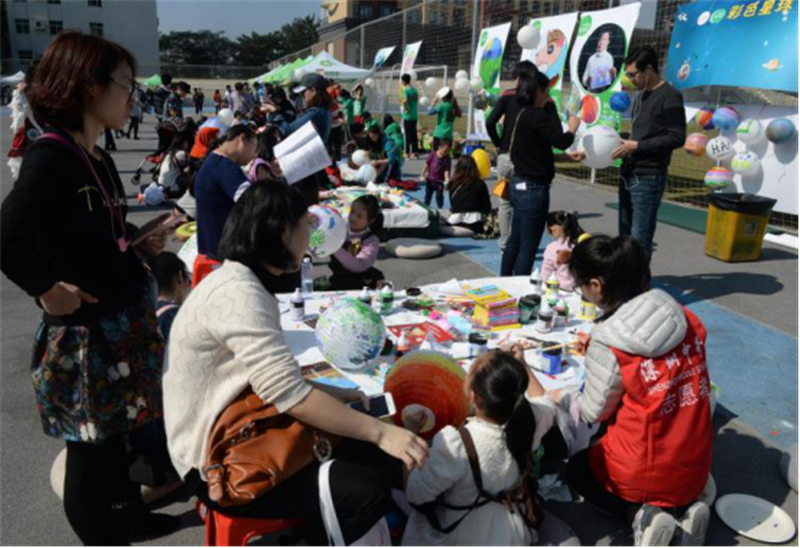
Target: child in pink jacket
[
  {"x": 564, "y": 228},
  {"x": 352, "y": 265}
]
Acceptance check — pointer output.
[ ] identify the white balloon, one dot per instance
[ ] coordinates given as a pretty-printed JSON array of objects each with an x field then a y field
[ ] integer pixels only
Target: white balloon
[
  {"x": 462, "y": 84},
  {"x": 461, "y": 74},
  {"x": 528, "y": 37},
  {"x": 746, "y": 163},
  {"x": 751, "y": 132},
  {"x": 298, "y": 74},
  {"x": 413, "y": 75},
  {"x": 361, "y": 158},
  {"x": 366, "y": 174},
  {"x": 431, "y": 82},
  {"x": 424, "y": 101},
  {"x": 369, "y": 82},
  {"x": 720, "y": 148},
  {"x": 599, "y": 142},
  {"x": 226, "y": 116},
  {"x": 477, "y": 84}
]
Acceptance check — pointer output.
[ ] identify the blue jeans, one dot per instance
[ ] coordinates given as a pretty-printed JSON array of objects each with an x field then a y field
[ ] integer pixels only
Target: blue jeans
[
  {"x": 639, "y": 199},
  {"x": 531, "y": 204}
]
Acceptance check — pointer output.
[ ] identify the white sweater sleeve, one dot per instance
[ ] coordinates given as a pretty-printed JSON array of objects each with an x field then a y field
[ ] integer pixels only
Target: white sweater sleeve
[
  {"x": 447, "y": 463},
  {"x": 249, "y": 328},
  {"x": 544, "y": 412}
]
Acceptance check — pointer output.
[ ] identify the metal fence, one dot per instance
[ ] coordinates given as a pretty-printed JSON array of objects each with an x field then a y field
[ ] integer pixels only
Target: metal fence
[{"x": 448, "y": 29}]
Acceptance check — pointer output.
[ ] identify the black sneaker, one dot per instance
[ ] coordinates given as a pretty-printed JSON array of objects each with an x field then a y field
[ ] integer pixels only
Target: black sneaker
[{"x": 143, "y": 525}]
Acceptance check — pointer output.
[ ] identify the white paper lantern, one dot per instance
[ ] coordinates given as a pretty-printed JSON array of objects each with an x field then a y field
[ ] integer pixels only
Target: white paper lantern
[
  {"x": 431, "y": 83},
  {"x": 751, "y": 132},
  {"x": 746, "y": 163},
  {"x": 413, "y": 75},
  {"x": 297, "y": 74},
  {"x": 329, "y": 231},
  {"x": 366, "y": 174},
  {"x": 462, "y": 84},
  {"x": 226, "y": 116},
  {"x": 424, "y": 101},
  {"x": 477, "y": 84},
  {"x": 461, "y": 74},
  {"x": 720, "y": 148},
  {"x": 369, "y": 82},
  {"x": 599, "y": 142},
  {"x": 361, "y": 158},
  {"x": 528, "y": 37}
]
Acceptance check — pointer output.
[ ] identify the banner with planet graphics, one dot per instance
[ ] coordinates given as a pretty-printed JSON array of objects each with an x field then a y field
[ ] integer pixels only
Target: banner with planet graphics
[
  {"x": 551, "y": 55},
  {"x": 382, "y": 56},
  {"x": 735, "y": 43},
  {"x": 410, "y": 54},
  {"x": 596, "y": 64},
  {"x": 487, "y": 66}
]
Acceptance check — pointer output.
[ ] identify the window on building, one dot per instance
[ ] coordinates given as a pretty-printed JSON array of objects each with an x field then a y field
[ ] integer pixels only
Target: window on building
[
  {"x": 413, "y": 16},
  {"x": 23, "y": 26},
  {"x": 56, "y": 27},
  {"x": 435, "y": 17},
  {"x": 20, "y": 1},
  {"x": 53, "y": 1},
  {"x": 96, "y": 29},
  {"x": 366, "y": 11},
  {"x": 386, "y": 10},
  {"x": 95, "y": 3},
  {"x": 25, "y": 57}
]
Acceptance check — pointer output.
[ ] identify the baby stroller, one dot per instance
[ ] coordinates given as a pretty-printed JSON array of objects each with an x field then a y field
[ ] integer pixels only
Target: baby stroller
[{"x": 152, "y": 170}]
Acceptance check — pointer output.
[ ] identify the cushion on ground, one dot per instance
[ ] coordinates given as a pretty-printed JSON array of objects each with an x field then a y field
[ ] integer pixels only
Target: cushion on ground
[
  {"x": 788, "y": 467},
  {"x": 413, "y": 248},
  {"x": 455, "y": 231}
]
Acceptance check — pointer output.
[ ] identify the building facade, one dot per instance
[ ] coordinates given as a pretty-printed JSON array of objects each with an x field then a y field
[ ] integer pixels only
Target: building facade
[{"x": 32, "y": 24}]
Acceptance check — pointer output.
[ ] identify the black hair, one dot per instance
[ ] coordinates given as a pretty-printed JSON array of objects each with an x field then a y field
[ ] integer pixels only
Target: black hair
[
  {"x": 237, "y": 131},
  {"x": 642, "y": 57},
  {"x": 166, "y": 79},
  {"x": 406, "y": 79},
  {"x": 620, "y": 264},
  {"x": 356, "y": 128},
  {"x": 238, "y": 86},
  {"x": 344, "y": 94},
  {"x": 445, "y": 141},
  {"x": 278, "y": 94},
  {"x": 530, "y": 86},
  {"x": 374, "y": 213},
  {"x": 465, "y": 174},
  {"x": 524, "y": 69},
  {"x": 254, "y": 232},
  {"x": 500, "y": 384},
  {"x": 388, "y": 120},
  {"x": 568, "y": 222},
  {"x": 183, "y": 86},
  {"x": 366, "y": 115},
  {"x": 166, "y": 266},
  {"x": 182, "y": 141},
  {"x": 375, "y": 129},
  {"x": 267, "y": 140}
]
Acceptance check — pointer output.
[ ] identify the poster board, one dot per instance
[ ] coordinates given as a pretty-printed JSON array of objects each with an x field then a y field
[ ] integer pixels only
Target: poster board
[{"x": 488, "y": 65}]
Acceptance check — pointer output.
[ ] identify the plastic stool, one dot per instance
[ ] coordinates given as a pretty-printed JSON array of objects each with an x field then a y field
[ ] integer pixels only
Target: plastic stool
[
  {"x": 203, "y": 266},
  {"x": 222, "y": 530}
]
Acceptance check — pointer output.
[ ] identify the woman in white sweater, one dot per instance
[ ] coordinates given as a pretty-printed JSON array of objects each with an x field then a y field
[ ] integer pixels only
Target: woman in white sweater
[
  {"x": 512, "y": 413},
  {"x": 227, "y": 337}
]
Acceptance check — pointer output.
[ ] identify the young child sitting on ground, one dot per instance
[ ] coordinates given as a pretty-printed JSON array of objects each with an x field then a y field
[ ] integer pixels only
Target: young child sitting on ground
[
  {"x": 174, "y": 286},
  {"x": 470, "y": 202},
  {"x": 352, "y": 265},
  {"x": 512, "y": 414},
  {"x": 564, "y": 228},
  {"x": 436, "y": 173}
]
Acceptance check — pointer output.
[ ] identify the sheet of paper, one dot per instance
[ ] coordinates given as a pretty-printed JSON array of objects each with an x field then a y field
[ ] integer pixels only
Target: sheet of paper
[{"x": 302, "y": 155}]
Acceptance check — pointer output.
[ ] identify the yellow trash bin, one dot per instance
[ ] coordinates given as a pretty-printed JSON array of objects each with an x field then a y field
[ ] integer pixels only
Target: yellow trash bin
[{"x": 736, "y": 226}]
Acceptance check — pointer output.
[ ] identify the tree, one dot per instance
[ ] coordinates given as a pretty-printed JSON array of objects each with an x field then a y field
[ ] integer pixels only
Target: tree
[
  {"x": 259, "y": 49},
  {"x": 300, "y": 33},
  {"x": 196, "y": 48}
]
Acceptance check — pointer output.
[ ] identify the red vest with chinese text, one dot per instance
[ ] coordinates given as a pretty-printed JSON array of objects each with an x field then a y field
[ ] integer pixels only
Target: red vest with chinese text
[{"x": 658, "y": 446}]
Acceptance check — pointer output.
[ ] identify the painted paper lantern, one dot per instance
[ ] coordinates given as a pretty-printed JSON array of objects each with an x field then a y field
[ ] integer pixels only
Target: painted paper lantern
[
  {"x": 366, "y": 174},
  {"x": 528, "y": 37},
  {"x": 462, "y": 84},
  {"x": 361, "y": 158},
  {"x": 780, "y": 130},
  {"x": 328, "y": 231},
  {"x": 746, "y": 163},
  {"x": 369, "y": 82},
  {"x": 705, "y": 117},
  {"x": 350, "y": 335},
  {"x": 589, "y": 109},
  {"x": 431, "y": 83},
  {"x": 720, "y": 148},
  {"x": 226, "y": 117},
  {"x": 725, "y": 118},
  {"x": 620, "y": 102},
  {"x": 599, "y": 142},
  {"x": 718, "y": 177},
  {"x": 751, "y": 132},
  {"x": 424, "y": 101},
  {"x": 696, "y": 144},
  {"x": 461, "y": 74},
  {"x": 483, "y": 162},
  {"x": 431, "y": 382}
]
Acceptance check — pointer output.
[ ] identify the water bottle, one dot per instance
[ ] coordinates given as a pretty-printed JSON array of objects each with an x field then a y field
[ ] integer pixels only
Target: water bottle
[
  {"x": 298, "y": 306},
  {"x": 308, "y": 278}
]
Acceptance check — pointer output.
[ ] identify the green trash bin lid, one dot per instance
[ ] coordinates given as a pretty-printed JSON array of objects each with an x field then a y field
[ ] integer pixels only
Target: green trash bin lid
[{"x": 749, "y": 204}]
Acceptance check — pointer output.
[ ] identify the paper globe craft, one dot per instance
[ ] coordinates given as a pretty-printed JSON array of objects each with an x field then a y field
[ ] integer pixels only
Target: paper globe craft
[
  {"x": 528, "y": 37},
  {"x": 705, "y": 117},
  {"x": 350, "y": 335},
  {"x": 431, "y": 82},
  {"x": 718, "y": 177},
  {"x": 366, "y": 174},
  {"x": 725, "y": 118},
  {"x": 462, "y": 84},
  {"x": 226, "y": 117},
  {"x": 746, "y": 163},
  {"x": 424, "y": 101},
  {"x": 696, "y": 144},
  {"x": 461, "y": 74},
  {"x": 620, "y": 102},
  {"x": 751, "y": 132},
  {"x": 328, "y": 231},
  {"x": 431, "y": 382},
  {"x": 599, "y": 142},
  {"x": 361, "y": 158},
  {"x": 369, "y": 82},
  {"x": 483, "y": 162},
  {"x": 780, "y": 130},
  {"x": 720, "y": 148}
]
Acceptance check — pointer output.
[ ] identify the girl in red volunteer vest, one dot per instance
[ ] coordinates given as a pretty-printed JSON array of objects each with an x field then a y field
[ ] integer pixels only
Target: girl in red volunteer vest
[{"x": 647, "y": 378}]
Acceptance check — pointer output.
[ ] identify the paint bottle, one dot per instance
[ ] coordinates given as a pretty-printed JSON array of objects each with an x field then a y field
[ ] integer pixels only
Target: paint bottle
[
  {"x": 403, "y": 345},
  {"x": 536, "y": 281},
  {"x": 387, "y": 300},
  {"x": 552, "y": 286},
  {"x": 298, "y": 306},
  {"x": 365, "y": 297},
  {"x": 588, "y": 311},
  {"x": 529, "y": 308},
  {"x": 551, "y": 361},
  {"x": 478, "y": 344},
  {"x": 544, "y": 321}
]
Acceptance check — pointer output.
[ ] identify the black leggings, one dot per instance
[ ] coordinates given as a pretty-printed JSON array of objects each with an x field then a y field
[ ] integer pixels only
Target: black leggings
[
  {"x": 97, "y": 477},
  {"x": 410, "y": 127},
  {"x": 438, "y": 188},
  {"x": 362, "y": 478}
]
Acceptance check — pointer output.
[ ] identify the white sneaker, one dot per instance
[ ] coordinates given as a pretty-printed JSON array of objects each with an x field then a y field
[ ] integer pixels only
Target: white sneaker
[
  {"x": 694, "y": 524},
  {"x": 652, "y": 527}
]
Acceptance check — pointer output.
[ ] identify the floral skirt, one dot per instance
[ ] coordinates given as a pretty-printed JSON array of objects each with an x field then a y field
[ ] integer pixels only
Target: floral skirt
[{"x": 99, "y": 380}]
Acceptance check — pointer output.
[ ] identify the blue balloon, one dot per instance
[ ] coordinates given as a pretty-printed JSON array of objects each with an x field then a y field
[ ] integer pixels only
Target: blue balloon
[{"x": 620, "y": 102}]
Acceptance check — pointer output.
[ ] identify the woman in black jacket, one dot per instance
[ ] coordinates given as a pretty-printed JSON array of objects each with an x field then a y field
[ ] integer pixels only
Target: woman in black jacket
[
  {"x": 535, "y": 132},
  {"x": 470, "y": 202}
]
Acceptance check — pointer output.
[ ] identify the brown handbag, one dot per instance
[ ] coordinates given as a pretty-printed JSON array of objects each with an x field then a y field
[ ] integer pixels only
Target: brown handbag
[{"x": 253, "y": 448}]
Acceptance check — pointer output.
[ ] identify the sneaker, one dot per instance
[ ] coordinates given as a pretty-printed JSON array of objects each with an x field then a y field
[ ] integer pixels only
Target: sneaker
[
  {"x": 652, "y": 527},
  {"x": 693, "y": 525}
]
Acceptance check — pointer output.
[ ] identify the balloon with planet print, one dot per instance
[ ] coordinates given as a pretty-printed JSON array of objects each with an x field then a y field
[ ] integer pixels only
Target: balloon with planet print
[
  {"x": 725, "y": 118},
  {"x": 620, "y": 102},
  {"x": 720, "y": 148},
  {"x": 718, "y": 177},
  {"x": 350, "y": 335},
  {"x": 696, "y": 144},
  {"x": 780, "y": 130}
]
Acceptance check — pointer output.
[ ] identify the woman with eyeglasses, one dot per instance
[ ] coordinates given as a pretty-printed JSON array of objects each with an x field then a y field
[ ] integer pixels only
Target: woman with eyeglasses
[{"x": 65, "y": 241}]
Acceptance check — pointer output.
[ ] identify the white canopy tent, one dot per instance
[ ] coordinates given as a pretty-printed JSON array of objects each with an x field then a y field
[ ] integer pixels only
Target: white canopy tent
[
  {"x": 13, "y": 80},
  {"x": 327, "y": 65}
]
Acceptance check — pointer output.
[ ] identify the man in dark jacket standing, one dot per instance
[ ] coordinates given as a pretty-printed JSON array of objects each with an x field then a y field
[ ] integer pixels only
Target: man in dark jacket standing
[
  {"x": 658, "y": 127},
  {"x": 160, "y": 96}
]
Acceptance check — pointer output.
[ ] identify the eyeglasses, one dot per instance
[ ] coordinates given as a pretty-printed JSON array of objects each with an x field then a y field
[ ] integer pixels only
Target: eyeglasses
[
  {"x": 133, "y": 87},
  {"x": 633, "y": 75}
]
